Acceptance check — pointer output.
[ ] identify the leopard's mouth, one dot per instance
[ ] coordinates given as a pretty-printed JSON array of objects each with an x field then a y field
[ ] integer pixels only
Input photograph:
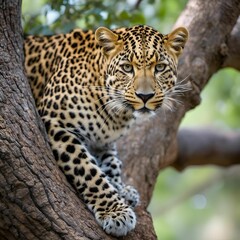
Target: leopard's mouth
[
  {"x": 144, "y": 110},
  {"x": 143, "y": 105}
]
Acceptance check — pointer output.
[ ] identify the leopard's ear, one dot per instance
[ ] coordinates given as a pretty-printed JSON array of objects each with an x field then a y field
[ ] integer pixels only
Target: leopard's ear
[
  {"x": 108, "y": 40},
  {"x": 176, "y": 40}
]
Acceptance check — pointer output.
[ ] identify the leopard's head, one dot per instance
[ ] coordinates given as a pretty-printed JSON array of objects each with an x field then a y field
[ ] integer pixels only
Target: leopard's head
[{"x": 141, "y": 65}]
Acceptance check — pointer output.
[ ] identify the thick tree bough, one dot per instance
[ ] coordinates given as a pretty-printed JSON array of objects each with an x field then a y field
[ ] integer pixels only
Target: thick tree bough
[
  {"x": 207, "y": 146},
  {"x": 36, "y": 202}
]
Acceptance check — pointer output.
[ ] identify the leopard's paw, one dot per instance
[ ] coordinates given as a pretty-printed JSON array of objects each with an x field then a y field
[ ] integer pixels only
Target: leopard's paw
[
  {"x": 130, "y": 195},
  {"x": 117, "y": 221}
]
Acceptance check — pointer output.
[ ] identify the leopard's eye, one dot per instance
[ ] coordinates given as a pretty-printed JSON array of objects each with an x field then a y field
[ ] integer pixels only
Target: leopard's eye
[
  {"x": 160, "y": 67},
  {"x": 128, "y": 68}
]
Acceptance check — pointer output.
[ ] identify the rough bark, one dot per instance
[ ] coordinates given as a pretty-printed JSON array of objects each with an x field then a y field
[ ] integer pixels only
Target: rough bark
[{"x": 36, "y": 202}]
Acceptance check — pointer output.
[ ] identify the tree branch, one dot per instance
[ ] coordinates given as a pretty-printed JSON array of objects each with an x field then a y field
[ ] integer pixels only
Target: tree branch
[{"x": 207, "y": 146}]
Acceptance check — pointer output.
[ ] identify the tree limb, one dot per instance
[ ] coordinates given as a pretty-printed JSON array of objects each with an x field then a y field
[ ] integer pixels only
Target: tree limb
[{"x": 207, "y": 146}]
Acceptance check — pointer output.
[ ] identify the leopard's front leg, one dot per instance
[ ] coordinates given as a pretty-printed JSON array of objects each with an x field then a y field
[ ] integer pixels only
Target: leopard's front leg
[
  {"x": 80, "y": 168},
  {"x": 111, "y": 166}
]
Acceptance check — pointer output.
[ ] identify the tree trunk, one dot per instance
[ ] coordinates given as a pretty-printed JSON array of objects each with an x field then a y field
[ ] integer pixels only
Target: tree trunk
[{"x": 36, "y": 202}]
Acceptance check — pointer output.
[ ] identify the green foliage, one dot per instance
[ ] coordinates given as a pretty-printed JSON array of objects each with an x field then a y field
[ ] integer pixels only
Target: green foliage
[
  {"x": 63, "y": 15},
  {"x": 55, "y": 16}
]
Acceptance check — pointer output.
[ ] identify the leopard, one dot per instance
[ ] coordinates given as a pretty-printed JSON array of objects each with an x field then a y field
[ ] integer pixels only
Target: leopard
[{"x": 90, "y": 87}]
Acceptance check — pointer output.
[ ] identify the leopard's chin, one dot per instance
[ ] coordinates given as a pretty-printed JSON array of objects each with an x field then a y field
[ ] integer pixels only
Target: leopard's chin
[{"x": 143, "y": 113}]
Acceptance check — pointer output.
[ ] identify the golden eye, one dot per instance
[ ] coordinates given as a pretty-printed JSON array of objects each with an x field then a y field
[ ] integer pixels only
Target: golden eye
[
  {"x": 127, "y": 67},
  {"x": 160, "y": 67}
]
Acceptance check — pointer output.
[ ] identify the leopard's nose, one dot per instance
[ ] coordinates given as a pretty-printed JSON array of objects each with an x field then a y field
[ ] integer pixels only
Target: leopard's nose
[{"x": 145, "y": 97}]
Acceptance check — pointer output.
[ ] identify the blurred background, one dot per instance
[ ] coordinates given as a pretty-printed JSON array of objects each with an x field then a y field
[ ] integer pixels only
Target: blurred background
[{"x": 200, "y": 203}]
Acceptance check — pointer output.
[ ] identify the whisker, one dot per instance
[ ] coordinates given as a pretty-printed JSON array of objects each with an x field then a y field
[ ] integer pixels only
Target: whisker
[
  {"x": 107, "y": 92},
  {"x": 104, "y": 106},
  {"x": 168, "y": 105},
  {"x": 173, "y": 99},
  {"x": 105, "y": 88},
  {"x": 183, "y": 85},
  {"x": 119, "y": 106},
  {"x": 180, "y": 87},
  {"x": 117, "y": 96},
  {"x": 183, "y": 80}
]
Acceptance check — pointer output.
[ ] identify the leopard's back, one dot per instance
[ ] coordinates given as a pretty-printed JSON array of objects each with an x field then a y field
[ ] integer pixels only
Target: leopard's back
[{"x": 44, "y": 55}]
